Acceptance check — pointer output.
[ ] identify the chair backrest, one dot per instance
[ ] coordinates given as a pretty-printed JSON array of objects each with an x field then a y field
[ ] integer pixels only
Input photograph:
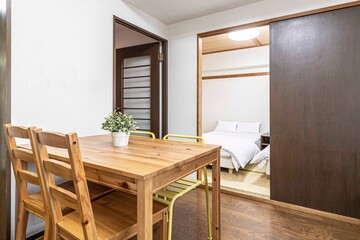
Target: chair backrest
[
  {"x": 20, "y": 159},
  {"x": 71, "y": 168},
  {"x": 142, "y": 133},
  {"x": 182, "y": 137}
]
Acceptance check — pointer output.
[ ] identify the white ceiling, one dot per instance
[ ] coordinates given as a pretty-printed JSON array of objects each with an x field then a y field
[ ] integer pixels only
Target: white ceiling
[
  {"x": 173, "y": 11},
  {"x": 126, "y": 37}
]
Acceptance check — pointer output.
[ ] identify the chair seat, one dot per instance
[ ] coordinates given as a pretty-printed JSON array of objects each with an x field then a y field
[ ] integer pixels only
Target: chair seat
[
  {"x": 176, "y": 189},
  {"x": 115, "y": 217},
  {"x": 96, "y": 191},
  {"x": 34, "y": 202}
]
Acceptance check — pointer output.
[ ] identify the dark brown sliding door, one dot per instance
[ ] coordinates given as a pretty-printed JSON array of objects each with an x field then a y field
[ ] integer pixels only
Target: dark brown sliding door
[
  {"x": 315, "y": 111},
  {"x": 5, "y": 91},
  {"x": 138, "y": 85}
]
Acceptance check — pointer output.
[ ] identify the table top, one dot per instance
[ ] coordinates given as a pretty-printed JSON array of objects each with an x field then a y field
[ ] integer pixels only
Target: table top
[{"x": 141, "y": 159}]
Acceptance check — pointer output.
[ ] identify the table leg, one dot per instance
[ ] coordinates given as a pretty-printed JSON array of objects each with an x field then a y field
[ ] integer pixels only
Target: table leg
[
  {"x": 216, "y": 198},
  {"x": 144, "y": 210}
]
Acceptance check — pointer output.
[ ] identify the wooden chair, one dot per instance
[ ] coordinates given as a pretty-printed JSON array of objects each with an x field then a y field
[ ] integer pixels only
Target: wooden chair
[
  {"x": 177, "y": 189},
  {"x": 34, "y": 203},
  {"x": 111, "y": 217}
]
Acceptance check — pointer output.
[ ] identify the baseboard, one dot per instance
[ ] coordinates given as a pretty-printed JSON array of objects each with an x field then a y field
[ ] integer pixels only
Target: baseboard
[
  {"x": 36, "y": 236},
  {"x": 301, "y": 209}
]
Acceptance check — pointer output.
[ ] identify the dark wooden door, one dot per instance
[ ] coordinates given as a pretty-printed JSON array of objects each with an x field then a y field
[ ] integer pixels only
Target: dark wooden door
[
  {"x": 315, "y": 111},
  {"x": 138, "y": 85}
]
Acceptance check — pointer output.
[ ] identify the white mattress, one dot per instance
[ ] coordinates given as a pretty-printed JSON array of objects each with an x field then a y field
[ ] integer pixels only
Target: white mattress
[{"x": 242, "y": 147}]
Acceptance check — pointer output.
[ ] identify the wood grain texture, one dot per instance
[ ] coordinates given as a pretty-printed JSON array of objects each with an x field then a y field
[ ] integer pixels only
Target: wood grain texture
[
  {"x": 141, "y": 159},
  {"x": 222, "y": 43},
  {"x": 148, "y": 164},
  {"x": 107, "y": 217},
  {"x": 247, "y": 219},
  {"x": 315, "y": 118},
  {"x": 5, "y": 117},
  {"x": 35, "y": 203}
]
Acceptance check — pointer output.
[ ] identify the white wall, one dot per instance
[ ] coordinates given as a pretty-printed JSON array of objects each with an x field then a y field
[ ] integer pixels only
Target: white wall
[
  {"x": 182, "y": 85},
  {"x": 62, "y": 62},
  {"x": 182, "y": 51},
  {"x": 236, "y": 99}
]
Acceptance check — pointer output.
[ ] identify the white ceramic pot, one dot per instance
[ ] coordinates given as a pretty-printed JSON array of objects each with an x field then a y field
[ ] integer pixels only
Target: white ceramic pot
[{"x": 120, "y": 139}]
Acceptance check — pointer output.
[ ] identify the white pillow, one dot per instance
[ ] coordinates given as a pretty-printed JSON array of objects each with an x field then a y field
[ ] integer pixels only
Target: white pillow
[
  {"x": 225, "y": 126},
  {"x": 248, "y": 127}
]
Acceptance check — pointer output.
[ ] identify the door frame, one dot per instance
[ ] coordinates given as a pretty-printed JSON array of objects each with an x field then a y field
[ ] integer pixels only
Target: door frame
[
  {"x": 5, "y": 115},
  {"x": 244, "y": 26},
  {"x": 200, "y": 36},
  {"x": 164, "y": 71}
]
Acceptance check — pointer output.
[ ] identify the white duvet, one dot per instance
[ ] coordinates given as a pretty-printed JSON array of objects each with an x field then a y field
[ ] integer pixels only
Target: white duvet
[{"x": 241, "y": 146}]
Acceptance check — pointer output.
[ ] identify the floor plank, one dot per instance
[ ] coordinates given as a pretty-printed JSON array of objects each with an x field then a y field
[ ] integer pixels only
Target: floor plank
[{"x": 246, "y": 219}]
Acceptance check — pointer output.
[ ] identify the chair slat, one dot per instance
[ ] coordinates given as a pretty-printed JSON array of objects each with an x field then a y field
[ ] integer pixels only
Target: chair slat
[
  {"x": 178, "y": 185},
  {"x": 58, "y": 168},
  {"x": 185, "y": 182},
  {"x": 52, "y": 139},
  {"x": 29, "y": 177},
  {"x": 18, "y": 132},
  {"x": 167, "y": 194},
  {"x": 24, "y": 155},
  {"x": 65, "y": 197}
]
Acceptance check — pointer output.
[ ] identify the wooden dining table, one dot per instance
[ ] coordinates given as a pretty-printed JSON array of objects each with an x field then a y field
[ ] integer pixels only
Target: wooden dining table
[{"x": 146, "y": 166}]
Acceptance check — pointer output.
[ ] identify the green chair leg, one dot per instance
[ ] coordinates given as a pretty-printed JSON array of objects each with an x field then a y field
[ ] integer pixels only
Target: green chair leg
[
  {"x": 207, "y": 203},
  {"x": 170, "y": 219}
]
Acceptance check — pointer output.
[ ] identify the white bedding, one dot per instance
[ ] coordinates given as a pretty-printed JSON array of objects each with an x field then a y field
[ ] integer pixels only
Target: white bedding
[
  {"x": 262, "y": 159},
  {"x": 241, "y": 146}
]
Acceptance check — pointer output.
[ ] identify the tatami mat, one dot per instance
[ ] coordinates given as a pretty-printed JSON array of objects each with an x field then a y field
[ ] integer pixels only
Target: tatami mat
[{"x": 243, "y": 181}]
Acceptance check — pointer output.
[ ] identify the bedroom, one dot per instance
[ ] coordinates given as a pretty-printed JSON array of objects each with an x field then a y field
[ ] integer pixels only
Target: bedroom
[{"x": 237, "y": 65}]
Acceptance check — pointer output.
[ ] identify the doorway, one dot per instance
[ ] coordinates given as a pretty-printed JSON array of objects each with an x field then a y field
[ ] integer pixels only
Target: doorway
[
  {"x": 140, "y": 76},
  {"x": 313, "y": 186},
  {"x": 235, "y": 102}
]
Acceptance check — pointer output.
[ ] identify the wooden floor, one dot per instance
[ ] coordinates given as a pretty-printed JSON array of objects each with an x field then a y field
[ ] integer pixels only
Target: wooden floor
[{"x": 246, "y": 219}]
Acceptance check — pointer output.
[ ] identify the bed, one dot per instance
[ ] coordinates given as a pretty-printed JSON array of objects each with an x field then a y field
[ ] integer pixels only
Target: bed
[{"x": 240, "y": 143}]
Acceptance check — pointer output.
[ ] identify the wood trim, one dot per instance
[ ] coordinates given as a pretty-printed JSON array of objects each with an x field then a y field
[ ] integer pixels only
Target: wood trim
[
  {"x": 138, "y": 29},
  {"x": 257, "y": 42},
  {"x": 5, "y": 117},
  {"x": 164, "y": 42},
  {"x": 233, "y": 49},
  {"x": 293, "y": 207},
  {"x": 165, "y": 96},
  {"x": 240, "y": 75},
  {"x": 199, "y": 95},
  {"x": 152, "y": 50},
  {"x": 199, "y": 87},
  {"x": 276, "y": 19}
]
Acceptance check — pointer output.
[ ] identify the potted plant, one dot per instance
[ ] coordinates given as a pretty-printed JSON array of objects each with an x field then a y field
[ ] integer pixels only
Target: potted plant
[{"x": 120, "y": 125}]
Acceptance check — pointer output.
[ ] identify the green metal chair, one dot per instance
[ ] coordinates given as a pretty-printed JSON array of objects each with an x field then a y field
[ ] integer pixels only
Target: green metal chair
[
  {"x": 177, "y": 189},
  {"x": 142, "y": 133}
]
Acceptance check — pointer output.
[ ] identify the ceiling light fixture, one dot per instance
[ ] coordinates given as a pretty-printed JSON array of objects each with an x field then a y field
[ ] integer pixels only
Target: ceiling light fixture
[{"x": 244, "y": 35}]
